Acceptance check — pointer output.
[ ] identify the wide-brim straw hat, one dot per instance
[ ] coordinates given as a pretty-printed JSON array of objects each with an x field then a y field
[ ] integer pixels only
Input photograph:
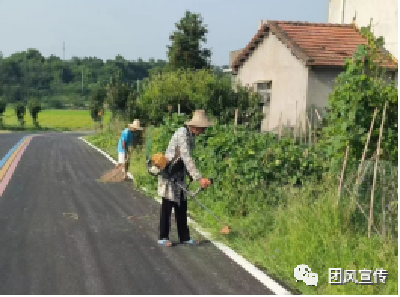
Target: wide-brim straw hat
[
  {"x": 199, "y": 119},
  {"x": 136, "y": 125}
]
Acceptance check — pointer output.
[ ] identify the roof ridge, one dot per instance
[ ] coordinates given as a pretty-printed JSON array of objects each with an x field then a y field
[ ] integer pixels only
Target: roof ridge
[
  {"x": 305, "y": 23},
  {"x": 289, "y": 42}
]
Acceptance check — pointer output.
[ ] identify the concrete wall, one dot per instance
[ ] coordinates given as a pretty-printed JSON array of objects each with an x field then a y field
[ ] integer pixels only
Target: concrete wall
[
  {"x": 335, "y": 11},
  {"x": 321, "y": 82},
  {"x": 383, "y": 12},
  {"x": 273, "y": 61}
]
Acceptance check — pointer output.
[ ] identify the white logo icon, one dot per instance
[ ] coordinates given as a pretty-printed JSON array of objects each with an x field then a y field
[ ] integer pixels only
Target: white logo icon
[{"x": 303, "y": 272}]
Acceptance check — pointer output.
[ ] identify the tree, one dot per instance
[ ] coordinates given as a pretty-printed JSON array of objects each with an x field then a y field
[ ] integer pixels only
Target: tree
[
  {"x": 196, "y": 89},
  {"x": 117, "y": 95},
  {"x": 96, "y": 104},
  {"x": 34, "y": 108},
  {"x": 186, "y": 50},
  {"x": 20, "y": 111}
]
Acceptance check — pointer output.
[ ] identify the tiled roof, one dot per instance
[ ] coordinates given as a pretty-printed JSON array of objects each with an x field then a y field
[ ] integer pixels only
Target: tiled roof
[{"x": 314, "y": 43}]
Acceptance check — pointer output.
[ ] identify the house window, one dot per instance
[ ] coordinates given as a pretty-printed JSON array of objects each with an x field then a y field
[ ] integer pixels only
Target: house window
[{"x": 264, "y": 89}]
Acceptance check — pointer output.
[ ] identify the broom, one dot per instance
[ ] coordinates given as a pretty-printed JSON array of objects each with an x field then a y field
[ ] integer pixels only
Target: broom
[{"x": 114, "y": 175}]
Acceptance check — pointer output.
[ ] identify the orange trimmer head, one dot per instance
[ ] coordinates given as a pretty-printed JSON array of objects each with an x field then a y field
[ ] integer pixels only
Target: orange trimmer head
[{"x": 225, "y": 230}]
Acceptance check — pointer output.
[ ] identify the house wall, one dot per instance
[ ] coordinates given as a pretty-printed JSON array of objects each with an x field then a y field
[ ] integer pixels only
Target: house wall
[
  {"x": 383, "y": 12},
  {"x": 272, "y": 60},
  {"x": 321, "y": 82}
]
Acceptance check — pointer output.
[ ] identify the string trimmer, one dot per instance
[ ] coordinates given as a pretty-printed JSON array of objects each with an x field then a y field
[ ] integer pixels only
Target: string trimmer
[{"x": 225, "y": 229}]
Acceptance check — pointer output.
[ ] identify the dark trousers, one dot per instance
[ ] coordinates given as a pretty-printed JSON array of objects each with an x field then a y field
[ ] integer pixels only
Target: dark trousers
[{"x": 180, "y": 217}]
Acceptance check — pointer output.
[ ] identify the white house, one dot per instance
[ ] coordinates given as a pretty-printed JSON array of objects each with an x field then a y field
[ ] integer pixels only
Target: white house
[
  {"x": 293, "y": 66},
  {"x": 382, "y": 12}
]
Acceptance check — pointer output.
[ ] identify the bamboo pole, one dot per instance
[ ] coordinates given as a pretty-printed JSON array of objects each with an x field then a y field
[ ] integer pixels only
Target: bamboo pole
[
  {"x": 378, "y": 151},
  {"x": 300, "y": 131},
  {"x": 295, "y": 129},
  {"x": 318, "y": 115},
  {"x": 309, "y": 132},
  {"x": 305, "y": 127},
  {"x": 312, "y": 126},
  {"x": 342, "y": 175},
  {"x": 366, "y": 146},
  {"x": 236, "y": 118},
  {"x": 383, "y": 207},
  {"x": 359, "y": 207},
  {"x": 316, "y": 126}
]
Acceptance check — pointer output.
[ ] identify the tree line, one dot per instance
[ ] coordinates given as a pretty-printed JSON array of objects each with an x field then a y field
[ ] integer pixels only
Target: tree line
[{"x": 58, "y": 83}]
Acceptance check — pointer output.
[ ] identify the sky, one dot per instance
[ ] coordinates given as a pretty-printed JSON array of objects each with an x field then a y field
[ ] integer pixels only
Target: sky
[{"x": 139, "y": 29}]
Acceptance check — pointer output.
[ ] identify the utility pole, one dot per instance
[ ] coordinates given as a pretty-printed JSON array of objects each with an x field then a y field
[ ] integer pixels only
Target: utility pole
[
  {"x": 64, "y": 50},
  {"x": 26, "y": 75},
  {"x": 82, "y": 81}
]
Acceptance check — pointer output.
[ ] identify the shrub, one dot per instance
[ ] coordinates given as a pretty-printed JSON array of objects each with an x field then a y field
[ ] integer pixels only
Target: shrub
[
  {"x": 3, "y": 105},
  {"x": 361, "y": 88}
]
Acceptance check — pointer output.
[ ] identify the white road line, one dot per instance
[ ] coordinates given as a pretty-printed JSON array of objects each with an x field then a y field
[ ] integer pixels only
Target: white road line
[{"x": 246, "y": 265}]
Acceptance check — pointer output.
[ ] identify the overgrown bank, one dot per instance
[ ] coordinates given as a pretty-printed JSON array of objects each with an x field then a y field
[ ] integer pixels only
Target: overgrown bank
[
  {"x": 275, "y": 225},
  {"x": 283, "y": 200}
]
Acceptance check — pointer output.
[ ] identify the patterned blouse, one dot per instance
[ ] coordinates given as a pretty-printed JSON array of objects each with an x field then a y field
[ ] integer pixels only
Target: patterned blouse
[{"x": 180, "y": 146}]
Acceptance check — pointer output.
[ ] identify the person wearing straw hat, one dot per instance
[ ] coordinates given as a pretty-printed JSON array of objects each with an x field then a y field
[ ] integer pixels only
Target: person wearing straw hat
[
  {"x": 125, "y": 141},
  {"x": 178, "y": 154}
]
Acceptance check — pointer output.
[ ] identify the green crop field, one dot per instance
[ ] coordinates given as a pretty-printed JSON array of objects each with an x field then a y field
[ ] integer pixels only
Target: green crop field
[{"x": 56, "y": 119}]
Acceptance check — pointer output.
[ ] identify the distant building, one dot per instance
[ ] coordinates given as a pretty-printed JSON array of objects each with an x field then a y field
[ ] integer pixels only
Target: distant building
[
  {"x": 383, "y": 14},
  {"x": 232, "y": 57}
]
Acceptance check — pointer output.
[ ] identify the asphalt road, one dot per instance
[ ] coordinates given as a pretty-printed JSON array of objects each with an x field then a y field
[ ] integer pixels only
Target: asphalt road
[{"x": 63, "y": 232}]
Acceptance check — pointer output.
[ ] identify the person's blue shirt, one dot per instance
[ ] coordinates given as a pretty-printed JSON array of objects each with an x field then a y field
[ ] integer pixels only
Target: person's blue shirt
[{"x": 126, "y": 136}]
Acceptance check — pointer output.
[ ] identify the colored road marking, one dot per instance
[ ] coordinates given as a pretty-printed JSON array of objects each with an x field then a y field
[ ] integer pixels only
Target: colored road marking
[
  {"x": 5, "y": 167},
  {"x": 4, "y": 160},
  {"x": 5, "y": 181}
]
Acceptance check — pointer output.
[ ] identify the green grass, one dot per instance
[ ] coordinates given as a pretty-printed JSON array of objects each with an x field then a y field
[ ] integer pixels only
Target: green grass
[
  {"x": 58, "y": 120},
  {"x": 307, "y": 229}
]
